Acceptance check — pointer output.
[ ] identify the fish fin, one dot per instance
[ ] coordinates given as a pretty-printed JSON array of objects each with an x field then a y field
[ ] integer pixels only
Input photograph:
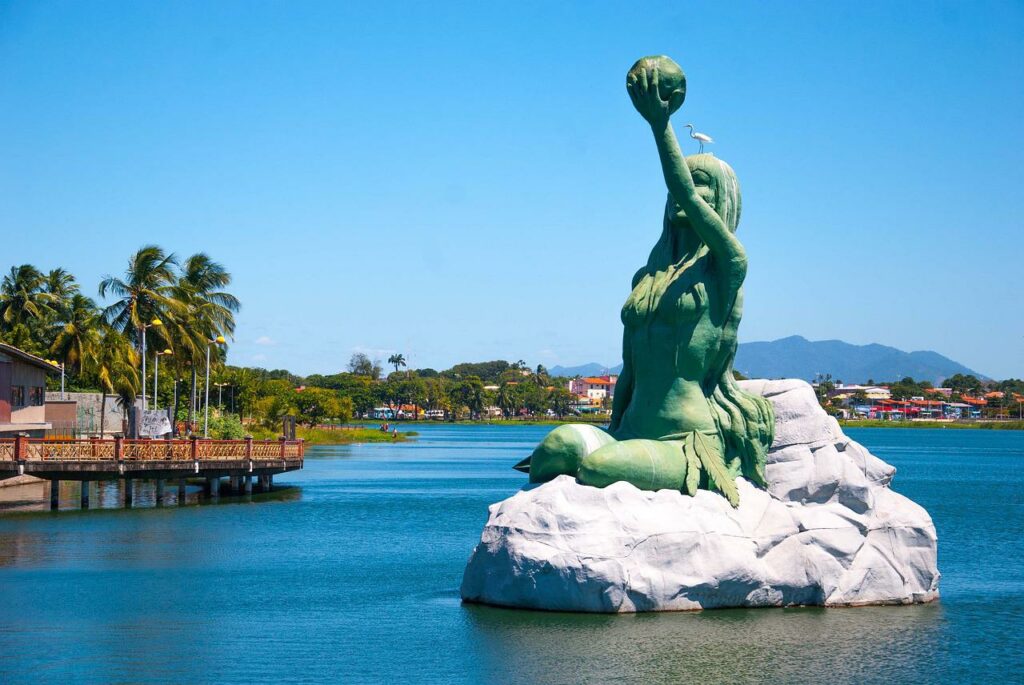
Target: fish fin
[{"x": 714, "y": 465}]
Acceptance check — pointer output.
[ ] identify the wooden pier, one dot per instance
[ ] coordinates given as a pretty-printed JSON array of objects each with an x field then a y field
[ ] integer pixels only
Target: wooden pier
[{"x": 86, "y": 460}]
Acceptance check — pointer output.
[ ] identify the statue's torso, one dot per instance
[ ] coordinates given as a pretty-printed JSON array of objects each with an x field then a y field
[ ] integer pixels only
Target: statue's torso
[{"x": 672, "y": 343}]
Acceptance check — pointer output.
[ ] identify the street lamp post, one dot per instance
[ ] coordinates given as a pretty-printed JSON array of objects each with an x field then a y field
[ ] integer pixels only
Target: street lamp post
[
  {"x": 219, "y": 340},
  {"x": 156, "y": 374},
  {"x": 154, "y": 322},
  {"x": 220, "y": 390}
]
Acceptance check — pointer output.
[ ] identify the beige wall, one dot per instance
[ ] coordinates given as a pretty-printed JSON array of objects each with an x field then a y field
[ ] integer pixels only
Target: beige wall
[
  {"x": 88, "y": 411},
  {"x": 64, "y": 411}
]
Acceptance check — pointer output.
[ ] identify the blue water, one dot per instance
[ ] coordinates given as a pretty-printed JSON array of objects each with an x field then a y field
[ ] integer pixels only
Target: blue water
[{"x": 350, "y": 574}]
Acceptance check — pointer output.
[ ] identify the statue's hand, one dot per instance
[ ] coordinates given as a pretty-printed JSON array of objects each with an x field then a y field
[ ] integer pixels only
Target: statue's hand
[{"x": 643, "y": 91}]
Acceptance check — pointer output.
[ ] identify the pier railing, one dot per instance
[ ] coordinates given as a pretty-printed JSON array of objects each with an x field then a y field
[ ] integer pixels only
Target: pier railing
[{"x": 119, "y": 449}]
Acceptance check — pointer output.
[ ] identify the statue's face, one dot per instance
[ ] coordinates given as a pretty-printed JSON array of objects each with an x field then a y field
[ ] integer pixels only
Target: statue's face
[{"x": 704, "y": 184}]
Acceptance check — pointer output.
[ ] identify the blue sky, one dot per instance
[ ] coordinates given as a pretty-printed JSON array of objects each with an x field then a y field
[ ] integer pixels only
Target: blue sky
[{"x": 469, "y": 181}]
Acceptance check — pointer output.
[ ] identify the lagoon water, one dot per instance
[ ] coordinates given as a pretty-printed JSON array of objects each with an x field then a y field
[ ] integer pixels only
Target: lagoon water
[{"x": 349, "y": 573}]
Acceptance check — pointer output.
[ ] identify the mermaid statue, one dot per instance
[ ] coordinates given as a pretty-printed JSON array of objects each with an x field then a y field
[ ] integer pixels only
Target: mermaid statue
[{"x": 679, "y": 420}]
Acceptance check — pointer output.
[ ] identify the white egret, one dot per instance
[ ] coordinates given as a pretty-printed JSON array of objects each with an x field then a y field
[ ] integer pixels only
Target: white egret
[{"x": 701, "y": 138}]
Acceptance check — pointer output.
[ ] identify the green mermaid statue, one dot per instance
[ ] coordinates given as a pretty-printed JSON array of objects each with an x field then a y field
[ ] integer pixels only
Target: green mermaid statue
[{"x": 679, "y": 420}]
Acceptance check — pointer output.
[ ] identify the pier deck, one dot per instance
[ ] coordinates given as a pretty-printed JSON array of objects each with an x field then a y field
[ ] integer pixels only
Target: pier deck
[{"x": 93, "y": 459}]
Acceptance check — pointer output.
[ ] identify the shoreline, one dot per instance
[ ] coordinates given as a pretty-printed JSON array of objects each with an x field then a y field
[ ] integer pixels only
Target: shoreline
[
  {"x": 845, "y": 423},
  {"x": 955, "y": 425}
]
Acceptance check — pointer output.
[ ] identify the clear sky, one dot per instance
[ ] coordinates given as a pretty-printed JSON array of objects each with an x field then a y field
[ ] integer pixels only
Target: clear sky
[{"x": 469, "y": 181}]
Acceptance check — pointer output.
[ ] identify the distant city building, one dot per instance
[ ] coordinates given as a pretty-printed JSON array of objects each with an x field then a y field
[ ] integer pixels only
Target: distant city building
[
  {"x": 871, "y": 392},
  {"x": 593, "y": 389}
]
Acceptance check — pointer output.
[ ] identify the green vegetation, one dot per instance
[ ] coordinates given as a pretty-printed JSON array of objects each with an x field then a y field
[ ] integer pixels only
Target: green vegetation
[{"x": 322, "y": 436}]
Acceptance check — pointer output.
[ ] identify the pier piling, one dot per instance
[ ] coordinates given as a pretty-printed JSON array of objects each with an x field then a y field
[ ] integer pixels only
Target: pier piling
[
  {"x": 84, "y": 498},
  {"x": 54, "y": 495},
  {"x": 159, "y": 491},
  {"x": 128, "y": 493},
  {"x": 181, "y": 491}
]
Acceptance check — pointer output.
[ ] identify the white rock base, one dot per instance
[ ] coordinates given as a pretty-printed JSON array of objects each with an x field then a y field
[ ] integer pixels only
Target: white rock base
[{"x": 828, "y": 531}]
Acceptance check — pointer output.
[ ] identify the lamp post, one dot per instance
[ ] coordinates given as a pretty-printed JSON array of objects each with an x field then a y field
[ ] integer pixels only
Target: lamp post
[
  {"x": 154, "y": 322},
  {"x": 174, "y": 408},
  {"x": 220, "y": 389},
  {"x": 156, "y": 374},
  {"x": 219, "y": 340}
]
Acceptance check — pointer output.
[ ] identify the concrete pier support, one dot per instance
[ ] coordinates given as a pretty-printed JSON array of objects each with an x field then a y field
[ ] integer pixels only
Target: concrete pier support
[
  {"x": 266, "y": 483},
  {"x": 159, "y": 491},
  {"x": 54, "y": 495},
  {"x": 248, "y": 485},
  {"x": 181, "y": 491},
  {"x": 85, "y": 495},
  {"x": 236, "y": 485},
  {"x": 128, "y": 492},
  {"x": 214, "y": 485}
]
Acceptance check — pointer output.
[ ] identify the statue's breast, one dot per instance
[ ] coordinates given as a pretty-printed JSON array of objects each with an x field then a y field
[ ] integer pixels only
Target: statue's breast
[
  {"x": 684, "y": 302},
  {"x": 680, "y": 301}
]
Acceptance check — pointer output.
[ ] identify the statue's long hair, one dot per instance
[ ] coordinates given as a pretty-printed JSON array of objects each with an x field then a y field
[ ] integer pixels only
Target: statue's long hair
[{"x": 745, "y": 422}]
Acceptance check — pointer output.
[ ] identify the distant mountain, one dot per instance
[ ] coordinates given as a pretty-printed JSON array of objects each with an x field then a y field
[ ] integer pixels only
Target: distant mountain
[
  {"x": 798, "y": 357},
  {"x": 591, "y": 369}
]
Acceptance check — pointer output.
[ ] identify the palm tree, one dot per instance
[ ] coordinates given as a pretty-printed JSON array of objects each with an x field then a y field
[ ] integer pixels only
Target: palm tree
[
  {"x": 204, "y": 310},
  {"x": 77, "y": 340},
  {"x": 471, "y": 394},
  {"x": 22, "y": 297},
  {"x": 143, "y": 295},
  {"x": 398, "y": 360},
  {"x": 505, "y": 399},
  {"x": 61, "y": 285},
  {"x": 116, "y": 370}
]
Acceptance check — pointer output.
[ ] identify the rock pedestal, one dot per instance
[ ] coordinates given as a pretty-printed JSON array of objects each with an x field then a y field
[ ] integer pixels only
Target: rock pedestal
[{"x": 827, "y": 531}]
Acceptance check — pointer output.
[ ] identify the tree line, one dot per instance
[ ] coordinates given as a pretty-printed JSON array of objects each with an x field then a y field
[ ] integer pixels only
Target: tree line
[{"x": 464, "y": 391}]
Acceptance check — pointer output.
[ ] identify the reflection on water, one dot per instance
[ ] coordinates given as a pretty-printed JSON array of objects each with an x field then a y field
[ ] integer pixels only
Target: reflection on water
[
  {"x": 877, "y": 644},
  {"x": 350, "y": 573},
  {"x": 112, "y": 540},
  {"x": 107, "y": 494}
]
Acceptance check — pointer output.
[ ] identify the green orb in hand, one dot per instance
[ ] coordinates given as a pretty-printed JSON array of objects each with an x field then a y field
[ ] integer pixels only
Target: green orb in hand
[{"x": 671, "y": 78}]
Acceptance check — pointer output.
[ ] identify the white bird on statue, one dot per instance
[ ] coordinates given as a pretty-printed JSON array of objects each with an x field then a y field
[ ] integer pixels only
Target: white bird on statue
[{"x": 699, "y": 137}]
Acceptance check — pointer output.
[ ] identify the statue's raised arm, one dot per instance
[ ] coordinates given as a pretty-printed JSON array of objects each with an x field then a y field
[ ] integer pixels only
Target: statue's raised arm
[{"x": 648, "y": 87}]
